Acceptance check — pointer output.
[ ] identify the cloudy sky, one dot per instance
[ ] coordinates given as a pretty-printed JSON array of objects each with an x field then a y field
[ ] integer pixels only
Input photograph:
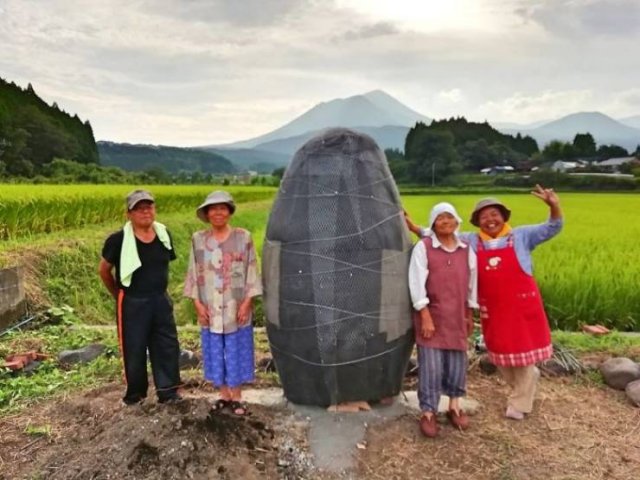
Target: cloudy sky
[{"x": 194, "y": 72}]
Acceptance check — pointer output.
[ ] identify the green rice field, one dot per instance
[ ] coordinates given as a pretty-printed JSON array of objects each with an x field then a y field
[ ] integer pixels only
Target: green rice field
[
  {"x": 26, "y": 210},
  {"x": 588, "y": 273}
]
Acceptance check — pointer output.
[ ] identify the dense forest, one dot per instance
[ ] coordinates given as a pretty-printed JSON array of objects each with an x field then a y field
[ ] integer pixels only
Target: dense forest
[
  {"x": 170, "y": 159},
  {"x": 455, "y": 145},
  {"x": 33, "y": 133}
]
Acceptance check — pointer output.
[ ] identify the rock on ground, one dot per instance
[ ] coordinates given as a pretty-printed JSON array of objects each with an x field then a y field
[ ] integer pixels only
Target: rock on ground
[
  {"x": 188, "y": 359},
  {"x": 633, "y": 392},
  {"x": 82, "y": 355},
  {"x": 619, "y": 371}
]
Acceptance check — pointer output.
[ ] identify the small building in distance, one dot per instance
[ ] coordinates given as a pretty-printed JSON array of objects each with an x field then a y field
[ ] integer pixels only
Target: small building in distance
[
  {"x": 497, "y": 169},
  {"x": 563, "y": 166},
  {"x": 614, "y": 164}
]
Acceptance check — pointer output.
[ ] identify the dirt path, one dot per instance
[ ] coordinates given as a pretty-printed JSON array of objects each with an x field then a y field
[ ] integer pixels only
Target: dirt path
[{"x": 577, "y": 431}]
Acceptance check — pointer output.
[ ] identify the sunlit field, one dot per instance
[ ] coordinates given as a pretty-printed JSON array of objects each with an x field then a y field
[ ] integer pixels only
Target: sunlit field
[
  {"x": 26, "y": 210},
  {"x": 588, "y": 273}
]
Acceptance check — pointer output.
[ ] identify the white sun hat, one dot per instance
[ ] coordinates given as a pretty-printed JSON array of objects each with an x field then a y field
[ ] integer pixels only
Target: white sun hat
[{"x": 443, "y": 207}]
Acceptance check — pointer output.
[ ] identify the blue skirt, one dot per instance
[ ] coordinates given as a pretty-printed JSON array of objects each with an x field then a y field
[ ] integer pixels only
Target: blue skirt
[{"x": 228, "y": 357}]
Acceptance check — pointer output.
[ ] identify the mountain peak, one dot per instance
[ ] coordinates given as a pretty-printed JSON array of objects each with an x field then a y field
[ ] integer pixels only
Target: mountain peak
[
  {"x": 377, "y": 93},
  {"x": 372, "y": 109},
  {"x": 605, "y": 130}
]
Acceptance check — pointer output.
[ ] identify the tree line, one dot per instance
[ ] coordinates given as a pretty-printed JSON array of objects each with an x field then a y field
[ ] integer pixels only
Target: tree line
[
  {"x": 43, "y": 143},
  {"x": 33, "y": 133},
  {"x": 453, "y": 146}
]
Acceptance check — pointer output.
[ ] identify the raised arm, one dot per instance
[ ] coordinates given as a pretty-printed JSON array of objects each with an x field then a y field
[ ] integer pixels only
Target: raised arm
[
  {"x": 548, "y": 196},
  {"x": 536, "y": 234}
]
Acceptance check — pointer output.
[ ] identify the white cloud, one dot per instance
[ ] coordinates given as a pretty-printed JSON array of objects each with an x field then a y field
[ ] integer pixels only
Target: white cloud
[
  {"x": 542, "y": 106},
  {"x": 584, "y": 18},
  {"x": 208, "y": 71},
  {"x": 452, "y": 96}
]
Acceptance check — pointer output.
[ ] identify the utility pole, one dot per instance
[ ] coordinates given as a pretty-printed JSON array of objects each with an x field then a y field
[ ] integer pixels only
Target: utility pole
[{"x": 433, "y": 174}]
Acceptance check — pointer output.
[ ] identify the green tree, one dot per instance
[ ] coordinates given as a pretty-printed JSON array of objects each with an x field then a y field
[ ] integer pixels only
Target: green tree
[
  {"x": 397, "y": 164},
  {"x": 553, "y": 150},
  {"x": 525, "y": 145},
  {"x": 431, "y": 156},
  {"x": 476, "y": 155},
  {"x": 584, "y": 145},
  {"x": 611, "y": 151},
  {"x": 278, "y": 173},
  {"x": 33, "y": 133},
  {"x": 569, "y": 151}
]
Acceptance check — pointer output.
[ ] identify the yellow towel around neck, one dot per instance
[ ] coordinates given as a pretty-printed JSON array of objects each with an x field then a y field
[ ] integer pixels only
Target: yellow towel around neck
[
  {"x": 506, "y": 230},
  {"x": 129, "y": 258}
]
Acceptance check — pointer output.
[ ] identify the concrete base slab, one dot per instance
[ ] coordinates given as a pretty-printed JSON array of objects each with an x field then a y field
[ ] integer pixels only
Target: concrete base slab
[
  {"x": 268, "y": 397},
  {"x": 468, "y": 405},
  {"x": 334, "y": 436}
]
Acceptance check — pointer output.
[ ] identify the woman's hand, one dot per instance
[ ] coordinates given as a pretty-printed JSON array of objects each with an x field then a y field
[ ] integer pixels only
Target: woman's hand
[
  {"x": 470, "y": 325},
  {"x": 244, "y": 312},
  {"x": 547, "y": 195},
  {"x": 410, "y": 225},
  {"x": 202, "y": 313},
  {"x": 427, "y": 328}
]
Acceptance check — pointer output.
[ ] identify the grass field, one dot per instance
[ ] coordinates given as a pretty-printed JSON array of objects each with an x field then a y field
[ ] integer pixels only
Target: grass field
[
  {"x": 26, "y": 210},
  {"x": 587, "y": 274}
]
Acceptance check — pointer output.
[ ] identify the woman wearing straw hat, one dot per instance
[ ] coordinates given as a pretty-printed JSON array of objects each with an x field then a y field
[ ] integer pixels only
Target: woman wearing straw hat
[
  {"x": 514, "y": 323},
  {"x": 222, "y": 280}
]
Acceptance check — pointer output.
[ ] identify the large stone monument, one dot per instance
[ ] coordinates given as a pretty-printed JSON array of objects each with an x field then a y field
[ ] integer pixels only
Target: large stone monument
[{"x": 335, "y": 265}]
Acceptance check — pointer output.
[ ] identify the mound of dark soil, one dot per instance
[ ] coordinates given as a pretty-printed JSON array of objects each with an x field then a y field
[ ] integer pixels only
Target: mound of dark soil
[{"x": 183, "y": 440}]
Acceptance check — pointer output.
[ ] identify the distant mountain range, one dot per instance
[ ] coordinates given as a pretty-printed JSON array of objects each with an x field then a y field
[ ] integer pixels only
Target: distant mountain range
[
  {"x": 387, "y": 120},
  {"x": 373, "y": 109},
  {"x": 631, "y": 121},
  {"x": 605, "y": 130},
  {"x": 170, "y": 159},
  {"x": 376, "y": 113}
]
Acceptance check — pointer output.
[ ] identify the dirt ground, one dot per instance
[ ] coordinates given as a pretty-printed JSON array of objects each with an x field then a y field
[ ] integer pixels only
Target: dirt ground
[
  {"x": 93, "y": 436},
  {"x": 577, "y": 431}
]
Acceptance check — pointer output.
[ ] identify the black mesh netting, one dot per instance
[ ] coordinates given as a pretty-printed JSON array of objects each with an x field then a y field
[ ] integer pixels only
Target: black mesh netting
[{"x": 335, "y": 265}]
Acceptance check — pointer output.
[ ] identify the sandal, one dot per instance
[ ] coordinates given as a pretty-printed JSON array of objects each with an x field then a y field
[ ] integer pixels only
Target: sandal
[
  {"x": 458, "y": 419},
  {"x": 220, "y": 405},
  {"x": 429, "y": 425},
  {"x": 239, "y": 409}
]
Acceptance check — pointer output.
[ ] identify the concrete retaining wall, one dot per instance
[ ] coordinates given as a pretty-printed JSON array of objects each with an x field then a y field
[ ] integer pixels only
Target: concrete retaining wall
[{"x": 13, "y": 303}]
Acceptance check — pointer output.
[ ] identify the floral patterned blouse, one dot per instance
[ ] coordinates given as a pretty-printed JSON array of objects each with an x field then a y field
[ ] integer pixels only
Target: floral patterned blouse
[{"x": 221, "y": 275}]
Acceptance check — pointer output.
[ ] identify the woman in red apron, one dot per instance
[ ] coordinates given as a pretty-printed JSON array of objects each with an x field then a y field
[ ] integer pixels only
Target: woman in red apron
[{"x": 514, "y": 323}]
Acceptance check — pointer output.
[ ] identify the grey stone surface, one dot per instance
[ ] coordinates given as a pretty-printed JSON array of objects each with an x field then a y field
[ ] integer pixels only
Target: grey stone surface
[
  {"x": 619, "y": 371},
  {"x": 633, "y": 392},
  {"x": 469, "y": 405},
  {"x": 339, "y": 313},
  {"x": 82, "y": 355},
  {"x": 188, "y": 359},
  {"x": 31, "y": 368},
  {"x": 13, "y": 303}
]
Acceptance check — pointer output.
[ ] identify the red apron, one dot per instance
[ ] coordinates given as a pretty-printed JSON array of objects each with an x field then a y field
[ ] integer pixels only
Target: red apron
[{"x": 514, "y": 324}]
